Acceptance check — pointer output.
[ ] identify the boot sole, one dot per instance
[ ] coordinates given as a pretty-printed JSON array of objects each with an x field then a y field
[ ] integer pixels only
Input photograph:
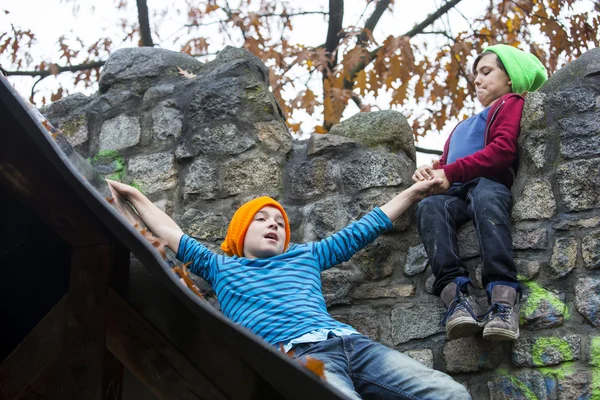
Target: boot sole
[
  {"x": 500, "y": 334},
  {"x": 462, "y": 327}
]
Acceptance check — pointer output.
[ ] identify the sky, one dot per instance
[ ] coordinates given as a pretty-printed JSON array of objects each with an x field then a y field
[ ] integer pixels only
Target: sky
[{"x": 90, "y": 19}]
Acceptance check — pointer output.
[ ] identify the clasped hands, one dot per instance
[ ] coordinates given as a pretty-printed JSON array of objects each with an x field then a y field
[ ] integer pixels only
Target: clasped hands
[{"x": 427, "y": 172}]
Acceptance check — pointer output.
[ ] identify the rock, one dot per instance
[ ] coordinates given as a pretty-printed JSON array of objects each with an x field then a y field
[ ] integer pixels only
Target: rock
[
  {"x": 120, "y": 133},
  {"x": 383, "y": 128},
  {"x": 328, "y": 144},
  {"x": 579, "y": 184},
  {"x": 373, "y": 169},
  {"x": 580, "y": 135},
  {"x": 567, "y": 223},
  {"x": 590, "y": 250},
  {"x": 535, "y": 202},
  {"x": 242, "y": 62},
  {"x": 416, "y": 321},
  {"x": 468, "y": 243},
  {"x": 530, "y": 239},
  {"x": 375, "y": 290},
  {"x": 166, "y": 121},
  {"x": 424, "y": 356},
  {"x": 201, "y": 179},
  {"x": 576, "y": 74},
  {"x": 471, "y": 354},
  {"x": 534, "y": 116},
  {"x": 533, "y": 148},
  {"x": 141, "y": 65},
  {"x": 416, "y": 261},
  {"x": 204, "y": 225},
  {"x": 527, "y": 269},
  {"x": 587, "y": 299},
  {"x": 545, "y": 351},
  {"x": 254, "y": 172},
  {"x": 157, "y": 92},
  {"x": 378, "y": 259},
  {"x": 364, "y": 320},
  {"x": 524, "y": 385},
  {"x": 311, "y": 178},
  {"x": 581, "y": 385},
  {"x": 154, "y": 172},
  {"x": 541, "y": 308},
  {"x": 222, "y": 139},
  {"x": 274, "y": 135},
  {"x": 564, "y": 257},
  {"x": 338, "y": 283},
  {"x": 219, "y": 100},
  {"x": 110, "y": 164},
  {"x": 326, "y": 218},
  {"x": 593, "y": 352}
]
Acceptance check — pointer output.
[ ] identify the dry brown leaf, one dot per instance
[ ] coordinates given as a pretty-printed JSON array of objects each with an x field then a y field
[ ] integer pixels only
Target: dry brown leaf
[{"x": 185, "y": 73}]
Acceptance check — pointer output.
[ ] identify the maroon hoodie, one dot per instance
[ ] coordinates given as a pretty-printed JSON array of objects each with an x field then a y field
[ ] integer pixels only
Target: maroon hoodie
[{"x": 498, "y": 159}]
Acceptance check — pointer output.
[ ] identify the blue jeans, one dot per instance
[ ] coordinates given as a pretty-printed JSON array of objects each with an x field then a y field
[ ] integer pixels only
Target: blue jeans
[
  {"x": 361, "y": 368},
  {"x": 487, "y": 203}
]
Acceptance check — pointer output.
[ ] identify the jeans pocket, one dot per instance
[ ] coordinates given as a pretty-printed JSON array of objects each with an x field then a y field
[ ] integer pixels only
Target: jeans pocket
[{"x": 301, "y": 349}]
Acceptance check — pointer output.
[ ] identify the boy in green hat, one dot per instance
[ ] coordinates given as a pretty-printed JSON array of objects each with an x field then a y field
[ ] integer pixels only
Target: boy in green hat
[{"x": 478, "y": 167}]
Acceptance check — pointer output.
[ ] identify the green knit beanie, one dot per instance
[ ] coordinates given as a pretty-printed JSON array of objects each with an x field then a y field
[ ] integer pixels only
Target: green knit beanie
[{"x": 526, "y": 71}]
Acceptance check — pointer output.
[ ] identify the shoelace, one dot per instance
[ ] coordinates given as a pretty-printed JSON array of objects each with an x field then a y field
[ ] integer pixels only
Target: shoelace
[
  {"x": 460, "y": 303},
  {"x": 501, "y": 311}
]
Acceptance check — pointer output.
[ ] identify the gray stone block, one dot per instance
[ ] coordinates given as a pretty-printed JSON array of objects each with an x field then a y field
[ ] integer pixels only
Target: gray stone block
[
  {"x": 545, "y": 351},
  {"x": 416, "y": 321},
  {"x": 153, "y": 172},
  {"x": 472, "y": 354},
  {"x": 564, "y": 257},
  {"x": 120, "y": 133},
  {"x": 587, "y": 298}
]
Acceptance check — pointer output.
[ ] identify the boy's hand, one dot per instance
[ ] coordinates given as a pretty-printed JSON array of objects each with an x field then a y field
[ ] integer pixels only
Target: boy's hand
[
  {"x": 445, "y": 184},
  {"x": 124, "y": 190},
  {"x": 423, "y": 173},
  {"x": 425, "y": 188}
]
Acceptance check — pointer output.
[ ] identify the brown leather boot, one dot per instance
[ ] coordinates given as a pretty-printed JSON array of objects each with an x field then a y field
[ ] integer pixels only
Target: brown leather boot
[
  {"x": 503, "y": 322},
  {"x": 463, "y": 310}
]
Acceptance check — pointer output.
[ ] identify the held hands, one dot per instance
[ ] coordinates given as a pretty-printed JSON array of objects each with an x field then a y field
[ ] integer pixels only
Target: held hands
[{"x": 432, "y": 172}]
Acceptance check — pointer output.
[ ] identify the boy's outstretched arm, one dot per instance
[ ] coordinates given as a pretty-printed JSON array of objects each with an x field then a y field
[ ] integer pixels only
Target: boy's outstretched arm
[
  {"x": 399, "y": 204},
  {"x": 159, "y": 223}
]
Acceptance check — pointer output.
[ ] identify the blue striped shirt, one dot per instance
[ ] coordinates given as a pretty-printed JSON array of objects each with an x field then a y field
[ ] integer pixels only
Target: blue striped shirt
[{"x": 280, "y": 298}]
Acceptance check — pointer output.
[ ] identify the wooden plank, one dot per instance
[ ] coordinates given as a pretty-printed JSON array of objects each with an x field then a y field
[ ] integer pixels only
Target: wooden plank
[
  {"x": 27, "y": 174},
  {"x": 39, "y": 350},
  {"x": 152, "y": 358},
  {"x": 85, "y": 332}
]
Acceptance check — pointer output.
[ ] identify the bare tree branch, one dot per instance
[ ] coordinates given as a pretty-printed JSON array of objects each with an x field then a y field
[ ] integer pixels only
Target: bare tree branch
[
  {"x": 266, "y": 15},
  {"x": 371, "y": 23},
  {"x": 144, "y": 21},
  {"x": 428, "y": 151},
  {"x": 46, "y": 72},
  {"x": 336, "y": 16},
  {"x": 413, "y": 32}
]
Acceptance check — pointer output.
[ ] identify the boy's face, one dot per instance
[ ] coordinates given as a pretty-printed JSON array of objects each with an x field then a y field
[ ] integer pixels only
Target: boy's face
[
  {"x": 265, "y": 236},
  {"x": 491, "y": 81}
]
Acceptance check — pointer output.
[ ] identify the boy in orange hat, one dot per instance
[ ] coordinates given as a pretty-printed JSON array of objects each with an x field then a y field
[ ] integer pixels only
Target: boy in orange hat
[{"x": 274, "y": 289}]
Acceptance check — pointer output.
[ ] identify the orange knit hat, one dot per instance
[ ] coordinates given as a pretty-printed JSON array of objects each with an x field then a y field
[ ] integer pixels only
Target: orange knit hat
[{"x": 236, "y": 232}]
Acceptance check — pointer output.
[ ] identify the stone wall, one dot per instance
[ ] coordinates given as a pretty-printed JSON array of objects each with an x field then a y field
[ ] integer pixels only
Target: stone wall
[{"x": 199, "y": 147}]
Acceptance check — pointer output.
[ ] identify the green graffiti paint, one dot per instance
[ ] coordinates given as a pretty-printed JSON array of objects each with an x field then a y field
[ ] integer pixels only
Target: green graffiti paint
[
  {"x": 595, "y": 351},
  {"x": 537, "y": 294},
  {"x": 542, "y": 345},
  {"x": 525, "y": 390},
  {"x": 558, "y": 372},
  {"x": 595, "y": 383}
]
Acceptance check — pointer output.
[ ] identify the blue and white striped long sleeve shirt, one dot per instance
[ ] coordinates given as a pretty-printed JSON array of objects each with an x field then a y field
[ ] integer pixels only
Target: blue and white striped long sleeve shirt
[{"x": 280, "y": 298}]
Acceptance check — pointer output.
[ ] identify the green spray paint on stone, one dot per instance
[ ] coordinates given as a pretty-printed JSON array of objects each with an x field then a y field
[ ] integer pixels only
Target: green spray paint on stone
[
  {"x": 525, "y": 390},
  {"x": 541, "y": 345},
  {"x": 537, "y": 294},
  {"x": 558, "y": 372},
  {"x": 595, "y": 351},
  {"x": 595, "y": 383}
]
